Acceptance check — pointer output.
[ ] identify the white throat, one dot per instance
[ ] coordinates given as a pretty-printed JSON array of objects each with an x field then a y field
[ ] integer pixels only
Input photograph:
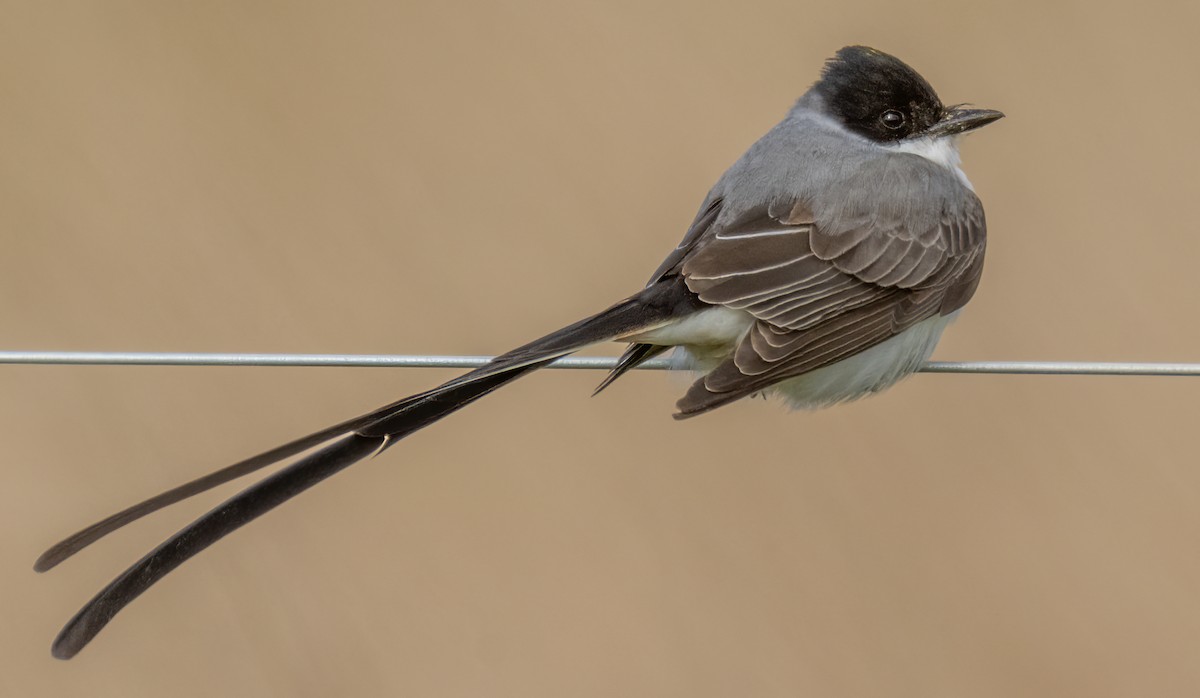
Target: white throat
[{"x": 943, "y": 151}]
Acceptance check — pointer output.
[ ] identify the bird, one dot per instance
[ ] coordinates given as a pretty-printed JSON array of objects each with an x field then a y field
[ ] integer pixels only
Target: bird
[{"x": 823, "y": 266}]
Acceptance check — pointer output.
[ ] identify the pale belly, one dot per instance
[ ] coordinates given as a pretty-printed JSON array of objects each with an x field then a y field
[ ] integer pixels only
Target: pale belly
[
  {"x": 709, "y": 337},
  {"x": 867, "y": 372}
]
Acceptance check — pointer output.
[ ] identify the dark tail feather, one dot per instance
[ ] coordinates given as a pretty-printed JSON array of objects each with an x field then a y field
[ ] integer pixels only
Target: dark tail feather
[
  {"x": 363, "y": 437},
  {"x": 255, "y": 501},
  {"x": 205, "y": 531},
  {"x": 632, "y": 358},
  {"x": 623, "y": 318},
  {"x": 73, "y": 544},
  {"x": 82, "y": 539}
]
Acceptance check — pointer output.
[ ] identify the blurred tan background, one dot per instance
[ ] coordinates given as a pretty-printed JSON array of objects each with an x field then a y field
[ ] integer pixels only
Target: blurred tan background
[{"x": 441, "y": 178}]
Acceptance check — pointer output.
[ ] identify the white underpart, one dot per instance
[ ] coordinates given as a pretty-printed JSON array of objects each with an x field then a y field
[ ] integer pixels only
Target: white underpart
[
  {"x": 868, "y": 371},
  {"x": 717, "y": 328},
  {"x": 710, "y": 336},
  {"x": 701, "y": 340},
  {"x": 943, "y": 151}
]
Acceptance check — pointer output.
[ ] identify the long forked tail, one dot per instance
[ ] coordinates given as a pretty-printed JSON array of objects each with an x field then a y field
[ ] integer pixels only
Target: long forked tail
[
  {"x": 344, "y": 444},
  {"x": 251, "y": 503}
]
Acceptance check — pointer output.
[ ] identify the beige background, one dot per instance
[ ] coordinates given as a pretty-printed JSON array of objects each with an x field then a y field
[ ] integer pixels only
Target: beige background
[{"x": 443, "y": 178}]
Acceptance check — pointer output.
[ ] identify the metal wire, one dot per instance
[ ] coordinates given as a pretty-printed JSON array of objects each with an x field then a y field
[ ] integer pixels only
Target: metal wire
[{"x": 120, "y": 358}]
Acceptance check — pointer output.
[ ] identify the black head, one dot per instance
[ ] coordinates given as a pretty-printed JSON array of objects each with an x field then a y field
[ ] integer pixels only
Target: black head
[{"x": 880, "y": 97}]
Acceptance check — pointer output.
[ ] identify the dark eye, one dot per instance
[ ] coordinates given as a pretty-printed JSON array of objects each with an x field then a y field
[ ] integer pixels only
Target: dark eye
[{"x": 892, "y": 119}]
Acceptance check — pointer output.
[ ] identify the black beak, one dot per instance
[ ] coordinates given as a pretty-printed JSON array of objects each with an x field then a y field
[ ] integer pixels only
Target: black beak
[{"x": 956, "y": 120}]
